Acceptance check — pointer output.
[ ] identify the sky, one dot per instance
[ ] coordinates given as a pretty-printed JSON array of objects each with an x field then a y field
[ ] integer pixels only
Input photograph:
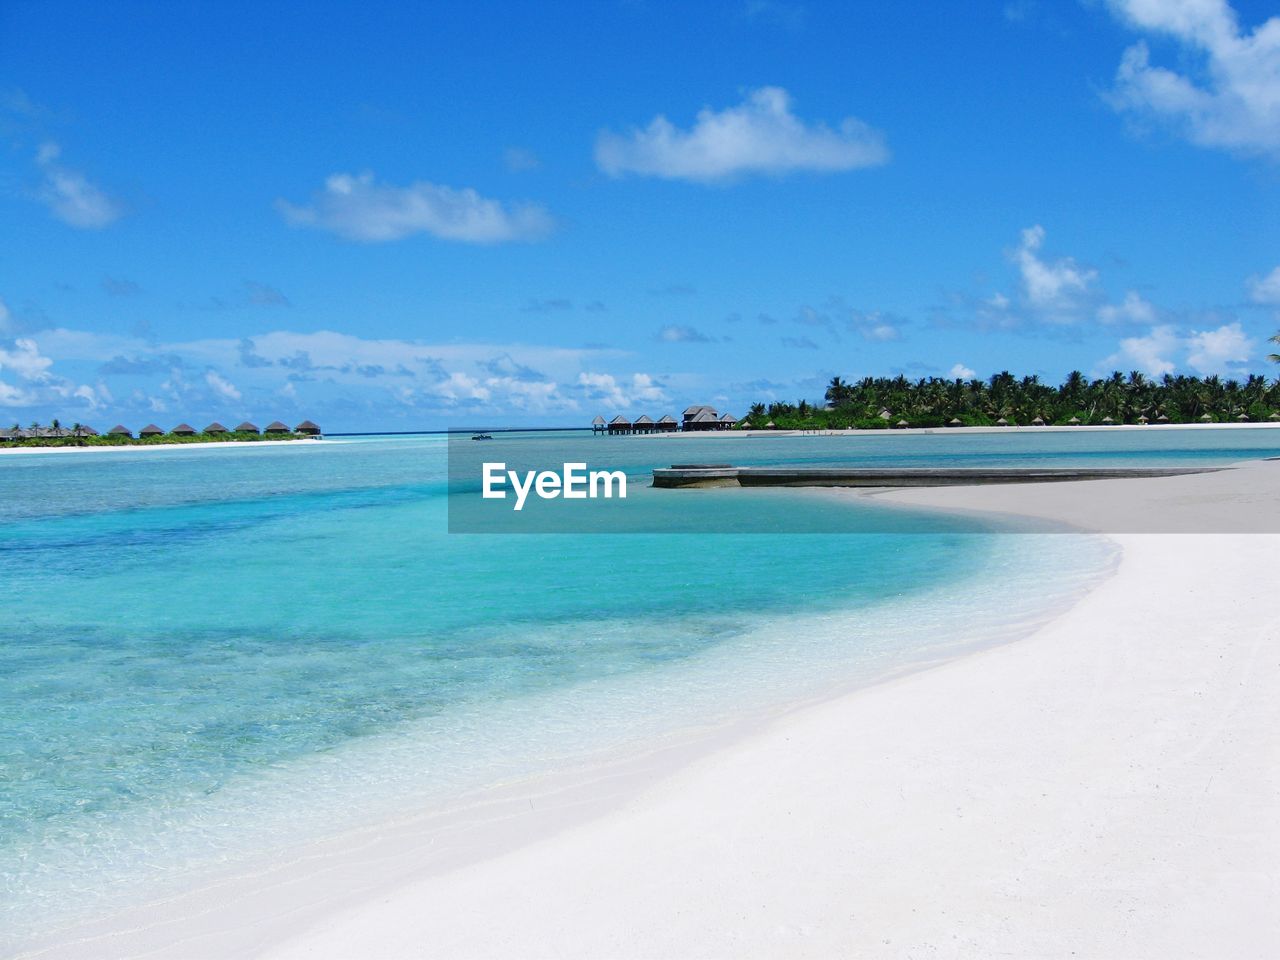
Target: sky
[{"x": 389, "y": 216}]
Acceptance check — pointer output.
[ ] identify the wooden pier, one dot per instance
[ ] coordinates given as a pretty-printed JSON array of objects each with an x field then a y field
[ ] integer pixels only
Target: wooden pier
[{"x": 722, "y": 474}]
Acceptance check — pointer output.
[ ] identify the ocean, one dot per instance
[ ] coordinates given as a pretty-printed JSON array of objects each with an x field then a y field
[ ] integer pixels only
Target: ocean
[{"x": 209, "y": 653}]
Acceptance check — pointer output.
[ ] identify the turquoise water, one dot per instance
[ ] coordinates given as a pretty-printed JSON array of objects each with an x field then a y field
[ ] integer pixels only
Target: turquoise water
[{"x": 208, "y": 652}]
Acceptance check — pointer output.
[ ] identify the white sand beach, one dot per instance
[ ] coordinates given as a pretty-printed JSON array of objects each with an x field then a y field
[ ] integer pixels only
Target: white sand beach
[
  {"x": 1105, "y": 788},
  {"x": 215, "y": 444}
]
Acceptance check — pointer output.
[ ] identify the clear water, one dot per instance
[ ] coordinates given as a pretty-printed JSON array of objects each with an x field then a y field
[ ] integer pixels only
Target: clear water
[{"x": 209, "y": 652}]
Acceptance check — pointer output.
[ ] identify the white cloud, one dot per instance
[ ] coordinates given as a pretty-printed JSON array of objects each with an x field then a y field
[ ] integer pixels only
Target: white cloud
[
  {"x": 1133, "y": 309},
  {"x": 759, "y": 136},
  {"x": 360, "y": 208},
  {"x": 1152, "y": 354},
  {"x": 70, "y": 195},
  {"x": 1221, "y": 351},
  {"x": 24, "y": 359},
  {"x": 1230, "y": 97},
  {"x": 1053, "y": 287},
  {"x": 961, "y": 372},
  {"x": 221, "y": 385},
  {"x": 1266, "y": 290},
  {"x": 604, "y": 388}
]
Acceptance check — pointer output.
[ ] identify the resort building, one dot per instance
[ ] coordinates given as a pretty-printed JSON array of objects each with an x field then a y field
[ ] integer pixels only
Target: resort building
[
  {"x": 643, "y": 424},
  {"x": 119, "y": 430},
  {"x": 275, "y": 426},
  {"x": 667, "y": 424},
  {"x": 216, "y": 428},
  {"x": 598, "y": 425},
  {"x": 151, "y": 430},
  {"x": 247, "y": 427},
  {"x": 184, "y": 430},
  {"x": 307, "y": 428},
  {"x": 619, "y": 424}
]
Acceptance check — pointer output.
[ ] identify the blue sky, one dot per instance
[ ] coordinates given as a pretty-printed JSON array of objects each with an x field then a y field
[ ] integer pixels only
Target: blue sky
[{"x": 387, "y": 218}]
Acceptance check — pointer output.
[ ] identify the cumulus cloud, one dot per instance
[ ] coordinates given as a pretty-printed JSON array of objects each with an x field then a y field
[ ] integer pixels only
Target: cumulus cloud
[
  {"x": 875, "y": 326},
  {"x": 1223, "y": 350},
  {"x": 618, "y": 393},
  {"x": 1133, "y": 309},
  {"x": 1055, "y": 288},
  {"x": 25, "y": 360},
  {"x": 1152, "y": 354},
  {"x": 1228, "y": 95},
  {"x": 961, "y": 372},
  {"x": 761, "y": 135},
  {"x": 1264, "y": 290},
  {"x": 362, "y": 209},
  {"x": 70, "y": 195}
]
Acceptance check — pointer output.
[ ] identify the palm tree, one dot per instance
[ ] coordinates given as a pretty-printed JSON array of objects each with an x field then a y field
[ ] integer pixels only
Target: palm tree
[{"x": 1275, "y": 357}]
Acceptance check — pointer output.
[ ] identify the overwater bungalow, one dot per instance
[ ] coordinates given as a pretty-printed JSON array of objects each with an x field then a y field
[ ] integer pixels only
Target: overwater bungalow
[
  {"x": 643, "y": 424},
  {"x": 619, "y": 425},
  {"x": 119, "y": 430},
  {"x": 247, "y": 427},
  {"x": 276, "y": 427},
  {"x": 704, "y": 419},
  {"x": 308, "y": 428},
  {"x": 666, "y": 424},
  {"x": 598, "y": 425},
  {"x": 691, "y": 416},
  {"x": 151, "y": 430},
  {"x": 215, "y": 428},
  {"x": 184, "y": 430}
]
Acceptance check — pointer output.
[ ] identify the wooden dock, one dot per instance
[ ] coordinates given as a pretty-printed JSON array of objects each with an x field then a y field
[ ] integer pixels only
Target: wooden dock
[{"x": 719, "y": 474}]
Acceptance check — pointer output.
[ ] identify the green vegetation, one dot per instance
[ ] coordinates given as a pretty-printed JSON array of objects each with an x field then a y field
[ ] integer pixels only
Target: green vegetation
[
  {"x": 880, "y": 403},
  {"x": 74, "y": 437}
]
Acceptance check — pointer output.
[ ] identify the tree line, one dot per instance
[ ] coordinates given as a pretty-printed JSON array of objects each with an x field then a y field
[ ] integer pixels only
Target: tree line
[{"x": 935, "y": 401}]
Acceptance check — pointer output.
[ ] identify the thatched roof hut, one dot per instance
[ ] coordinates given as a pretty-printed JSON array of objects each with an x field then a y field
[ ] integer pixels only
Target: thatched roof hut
[
  {"x": 119, "y": 430},
  {"x": 1163, "y": 418},
  {"x": 745, "y": 424},
  {"x": 84, "y": 431},
  {"x": 247, "y": 427},
  {"x": 1074, "y": 422},
  {"x": 900, "y": 424},
  {"x": 151, "y": 430},
  {"x": 667, "y": 423},
  {"x": 1037, "y": 422},
  {"x": 770, "y": 425},
  {"x": 1274, "y": 416},
  {"x": 216, "y": 428},
  {"x": 308, "y": 428},
  {"x": 955, "y": 422},
  {"x": 275, "y": 426},
  {"x": 1143, "y": 420},
  {"x": 1206, "y": 418},
  {"x": 1243, "y": 418},
  {"x": 597, "y": 425},
  {"x": 184, "y": 430},
  {"x": 1107, "y": 420},
  {"x": 1002, "y": 422}
]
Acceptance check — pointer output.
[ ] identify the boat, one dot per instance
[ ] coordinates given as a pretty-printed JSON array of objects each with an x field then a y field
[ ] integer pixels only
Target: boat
[{"x": 481, "y": 436}]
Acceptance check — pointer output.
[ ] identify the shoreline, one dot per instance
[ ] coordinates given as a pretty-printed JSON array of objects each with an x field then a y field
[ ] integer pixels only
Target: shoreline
[
  {"x": 1105, "y": 786},
  {"x": 937, "y": 811},
  {"x": 233, "y": 444},
  {"x": 958, "y": 431}
]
